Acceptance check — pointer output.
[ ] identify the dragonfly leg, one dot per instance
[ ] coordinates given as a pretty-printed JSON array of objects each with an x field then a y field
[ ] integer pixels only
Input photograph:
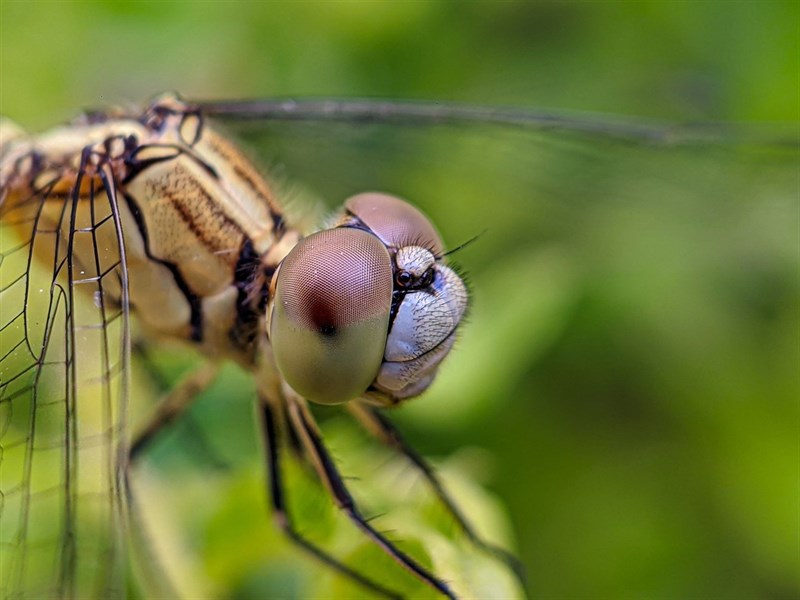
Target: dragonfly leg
[
  {"x": 379, "y": 426},
  {"x": 302, "y": 420},
  {"x": 197, "y": 437},
  {"x": 173, "y": 406},
  {"x": 280, "y": 508}
]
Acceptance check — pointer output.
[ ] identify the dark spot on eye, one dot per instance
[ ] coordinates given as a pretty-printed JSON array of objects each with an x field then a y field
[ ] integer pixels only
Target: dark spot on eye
[
  {"x": 327, "y": 330},
  {"x": 322, "y": 315}
]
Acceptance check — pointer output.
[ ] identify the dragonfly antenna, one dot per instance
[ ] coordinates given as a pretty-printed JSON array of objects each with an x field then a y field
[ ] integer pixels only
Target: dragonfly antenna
[{"x": 464, "y": 245}]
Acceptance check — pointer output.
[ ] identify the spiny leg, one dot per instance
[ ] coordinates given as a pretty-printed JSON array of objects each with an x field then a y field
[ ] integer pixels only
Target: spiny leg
[
  {"x": 383, "y": 429},
  {"x": 270, "y": 429},
  {"x": 301, "y": 419}
]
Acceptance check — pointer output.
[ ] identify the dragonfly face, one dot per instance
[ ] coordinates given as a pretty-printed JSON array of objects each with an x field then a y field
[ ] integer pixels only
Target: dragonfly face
[{"x": 367, "y": 307}]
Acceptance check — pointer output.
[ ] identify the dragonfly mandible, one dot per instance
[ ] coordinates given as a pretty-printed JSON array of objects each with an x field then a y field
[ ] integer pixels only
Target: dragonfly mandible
[{"x": 154, "y": 218}]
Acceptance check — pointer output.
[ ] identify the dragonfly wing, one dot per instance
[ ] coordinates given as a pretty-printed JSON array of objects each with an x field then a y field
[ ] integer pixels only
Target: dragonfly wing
[
  {"x": 64, "y": 355},
  {"x": 531, "y": 182}
]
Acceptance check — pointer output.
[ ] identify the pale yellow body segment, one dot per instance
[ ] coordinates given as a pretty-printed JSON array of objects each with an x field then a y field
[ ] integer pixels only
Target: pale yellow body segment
[{"x": 186, "y": 218}]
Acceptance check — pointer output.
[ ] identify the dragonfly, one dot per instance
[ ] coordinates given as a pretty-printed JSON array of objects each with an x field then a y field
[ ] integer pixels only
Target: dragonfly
[{"x": 153, "y": 223}]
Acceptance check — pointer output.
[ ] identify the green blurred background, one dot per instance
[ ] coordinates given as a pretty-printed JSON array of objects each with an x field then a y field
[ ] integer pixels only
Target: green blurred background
[{"x": 628, "y": 383}]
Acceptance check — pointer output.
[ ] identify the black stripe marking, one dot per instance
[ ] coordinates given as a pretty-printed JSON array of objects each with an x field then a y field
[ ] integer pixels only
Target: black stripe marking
[
  {"x": 195, "y": 304},
  {"x": 135, "y": 166},
  {"x": 252, "y": 281}
]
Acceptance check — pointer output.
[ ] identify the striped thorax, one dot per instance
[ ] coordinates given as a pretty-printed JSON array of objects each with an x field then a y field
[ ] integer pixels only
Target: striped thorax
[{"x": 365, "y": 309}]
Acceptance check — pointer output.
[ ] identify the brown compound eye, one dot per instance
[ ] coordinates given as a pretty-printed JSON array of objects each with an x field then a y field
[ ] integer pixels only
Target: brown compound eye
[
  {"x": 396, "y": 222},
  {"x": 330, "y": 314}
]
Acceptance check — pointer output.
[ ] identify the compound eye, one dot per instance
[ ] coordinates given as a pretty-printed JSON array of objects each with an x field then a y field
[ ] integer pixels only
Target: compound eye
[
  {"x": 396, "y": 222},
  {"x": 330, "y": 314}
]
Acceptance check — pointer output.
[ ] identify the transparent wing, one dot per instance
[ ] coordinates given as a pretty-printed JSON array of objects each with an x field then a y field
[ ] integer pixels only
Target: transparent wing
[
  {"x": 63, "y": 391},
  {"x": 421, "y": 114},
  {"x": 524, "y": 175}
]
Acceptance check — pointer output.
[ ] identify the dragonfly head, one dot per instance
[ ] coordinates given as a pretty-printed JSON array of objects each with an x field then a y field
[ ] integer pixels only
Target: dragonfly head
[{"x": 367, "y": 308}]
